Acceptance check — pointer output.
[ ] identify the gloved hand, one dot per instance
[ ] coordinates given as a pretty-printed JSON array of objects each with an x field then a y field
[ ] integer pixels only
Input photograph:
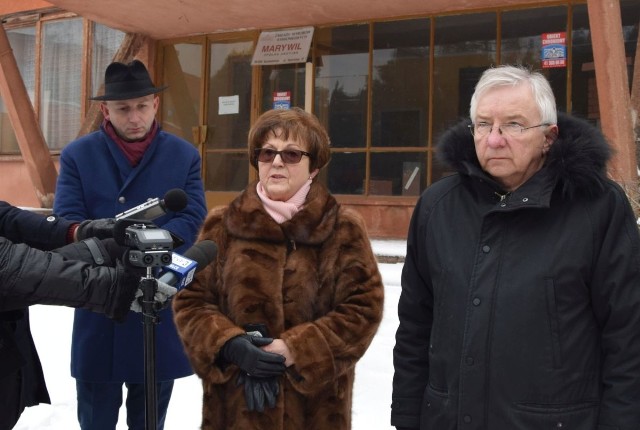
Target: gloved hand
[
  {"x": 161, "y": 298},
  {"x": 244, "y": 351},
  {"x": 127, "y": 281},
  {"x": 100, "y": 228},
  {"x": 102, "y": 252},
  {"x": 258, "y": 391}
]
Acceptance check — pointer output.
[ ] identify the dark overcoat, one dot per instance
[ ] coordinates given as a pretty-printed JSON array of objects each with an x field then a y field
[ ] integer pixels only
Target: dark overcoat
[
  {"x": 30, "y": 276},
  {"x": 21, "y": 286},
  {"x": 97, "y": 181},
  {"x": 313, "y": 281},
  {"x": 521, "y": 310}
]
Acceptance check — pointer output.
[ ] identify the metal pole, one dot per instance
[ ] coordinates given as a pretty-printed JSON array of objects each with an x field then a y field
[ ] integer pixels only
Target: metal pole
[{"x": 149, "y": 287}]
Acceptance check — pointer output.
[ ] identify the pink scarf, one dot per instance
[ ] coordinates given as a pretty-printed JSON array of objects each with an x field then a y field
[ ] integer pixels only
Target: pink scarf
[{"x": 284, "y": 211}]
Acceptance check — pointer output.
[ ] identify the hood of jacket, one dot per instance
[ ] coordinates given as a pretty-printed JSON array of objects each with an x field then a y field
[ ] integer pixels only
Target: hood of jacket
[{"x": 576, "y": 162}]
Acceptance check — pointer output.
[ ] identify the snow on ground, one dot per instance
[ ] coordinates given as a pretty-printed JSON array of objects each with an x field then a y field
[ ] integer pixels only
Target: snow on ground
[{"x": 51, "y": 327}]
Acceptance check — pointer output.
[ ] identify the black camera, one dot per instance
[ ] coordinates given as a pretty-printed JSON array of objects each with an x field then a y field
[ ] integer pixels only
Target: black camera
[{"x": 150, "y": 246}]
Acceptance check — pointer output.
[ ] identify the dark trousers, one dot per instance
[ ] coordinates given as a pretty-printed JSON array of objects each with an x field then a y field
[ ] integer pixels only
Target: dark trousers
[
  {"x": 99, "y": 403},
  {"x": 11, "y": 404}
]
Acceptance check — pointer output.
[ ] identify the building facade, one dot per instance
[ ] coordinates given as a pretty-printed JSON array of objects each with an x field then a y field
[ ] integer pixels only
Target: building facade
[{"x": 385, "y": 88}]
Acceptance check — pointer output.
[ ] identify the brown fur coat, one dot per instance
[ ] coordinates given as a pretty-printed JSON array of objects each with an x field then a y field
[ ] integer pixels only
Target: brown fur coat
[{"x": 313, "y": 281}]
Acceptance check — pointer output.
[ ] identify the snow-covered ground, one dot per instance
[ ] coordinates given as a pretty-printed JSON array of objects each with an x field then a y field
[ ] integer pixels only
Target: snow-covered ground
[{"x": 51, "y": 327}]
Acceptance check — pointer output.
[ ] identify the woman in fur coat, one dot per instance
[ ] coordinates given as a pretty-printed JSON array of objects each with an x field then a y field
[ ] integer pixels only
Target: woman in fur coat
[{"x": 275, "y": 326}]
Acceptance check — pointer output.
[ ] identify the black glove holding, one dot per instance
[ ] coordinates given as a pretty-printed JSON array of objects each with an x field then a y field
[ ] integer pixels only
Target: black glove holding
[
  {"x": 100, "y": 228},
  {"x": 123, "y": 292},
  {"x": 244, "y": 351},
  {"x": 258, "y": 391},
  {"x": 102, "y": 252}
]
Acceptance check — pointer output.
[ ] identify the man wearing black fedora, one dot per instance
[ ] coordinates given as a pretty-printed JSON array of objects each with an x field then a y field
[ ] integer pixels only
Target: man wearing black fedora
[{"x": 121, "y": 165}]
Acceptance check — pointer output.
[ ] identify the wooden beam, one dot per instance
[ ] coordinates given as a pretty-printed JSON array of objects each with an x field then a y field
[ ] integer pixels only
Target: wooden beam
[
  {"x": 635, "y": 96},
  {"x": 129, "y": 48},
  {"x": 33, "y": 146},
  {"x": 613, "y": 91}
]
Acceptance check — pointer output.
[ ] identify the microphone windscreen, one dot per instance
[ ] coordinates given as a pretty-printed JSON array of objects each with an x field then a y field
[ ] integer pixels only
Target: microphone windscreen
[
  {"x": 203, "y": 253},
  {"x": 175, "y": 200}
]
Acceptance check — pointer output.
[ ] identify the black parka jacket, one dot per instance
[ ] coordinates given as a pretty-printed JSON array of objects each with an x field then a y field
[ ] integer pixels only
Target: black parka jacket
[
  {"x": 521, "y": 310},
  {"x": 30, "y": 276}
]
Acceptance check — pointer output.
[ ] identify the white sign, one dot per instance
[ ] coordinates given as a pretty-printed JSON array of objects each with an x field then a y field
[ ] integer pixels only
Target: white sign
[
  {"x": 228, "y": 105},
  {"x": 283, "y": 46}
]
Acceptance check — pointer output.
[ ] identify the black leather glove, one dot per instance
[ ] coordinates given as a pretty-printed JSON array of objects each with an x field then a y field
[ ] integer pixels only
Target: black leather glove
[
  {"x": 102, "y": 252},
  {"x": 100, "y": 228},
  {"x": 123, "y": 292},
  {"x": 259, "y": 391},
  {"x": 244, "y": 351}
]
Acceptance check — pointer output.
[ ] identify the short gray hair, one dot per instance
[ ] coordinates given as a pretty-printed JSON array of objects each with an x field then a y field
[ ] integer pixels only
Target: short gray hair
[{"x": 507, "y": 75}]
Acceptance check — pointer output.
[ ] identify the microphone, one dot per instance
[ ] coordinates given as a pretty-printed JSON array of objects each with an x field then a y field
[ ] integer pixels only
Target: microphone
[
  {"x": 180, "y": 272},
  {"x": 174, "y": 200}
]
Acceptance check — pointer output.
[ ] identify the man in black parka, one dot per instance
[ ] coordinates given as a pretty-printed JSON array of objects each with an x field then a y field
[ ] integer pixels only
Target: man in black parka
[
  {"x": 520, "y": 303},
  {"x": 69, "y": 276}
]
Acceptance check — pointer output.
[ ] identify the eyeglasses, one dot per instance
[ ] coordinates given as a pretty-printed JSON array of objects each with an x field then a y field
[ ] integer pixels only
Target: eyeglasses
[
  {"x": 289, "y": 156},
  {"x": 512, "y": 129}
]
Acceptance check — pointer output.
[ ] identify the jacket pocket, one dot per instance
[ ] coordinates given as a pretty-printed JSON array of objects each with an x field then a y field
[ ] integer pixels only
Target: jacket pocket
[
  {"x": 579, "y": 416},
  {"x": 438, "y": 410},
  {"x": 554, "y": 325}
]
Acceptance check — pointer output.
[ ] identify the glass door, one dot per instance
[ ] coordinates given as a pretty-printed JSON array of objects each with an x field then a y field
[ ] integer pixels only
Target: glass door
[
  {"x": 283, "y": 86},
  {"x": 228, "y": 118}
]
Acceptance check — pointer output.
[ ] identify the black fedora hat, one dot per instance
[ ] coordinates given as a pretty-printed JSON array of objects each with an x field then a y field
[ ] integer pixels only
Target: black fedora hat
[{"x": 127, "y": 81}]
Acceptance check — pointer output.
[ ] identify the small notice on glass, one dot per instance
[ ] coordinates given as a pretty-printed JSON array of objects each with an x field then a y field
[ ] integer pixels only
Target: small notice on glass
[
  {"x": 554, "y": 50},
  {"x": 228, "y": 105}
]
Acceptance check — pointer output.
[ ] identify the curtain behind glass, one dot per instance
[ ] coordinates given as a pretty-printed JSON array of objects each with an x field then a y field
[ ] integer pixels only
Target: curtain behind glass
[
  {"x": 61, "y": 81},
  {"x": 106, "y": 42},
  {"x": 23, "y": 43}
]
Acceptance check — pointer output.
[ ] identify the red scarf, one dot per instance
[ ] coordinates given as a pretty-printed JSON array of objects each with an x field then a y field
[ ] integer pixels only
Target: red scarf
[{"x": 134, "y": 151}]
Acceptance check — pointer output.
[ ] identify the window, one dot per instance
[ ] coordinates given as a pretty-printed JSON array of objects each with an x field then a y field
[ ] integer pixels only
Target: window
[
  {"x": 340, "y": 102},
  {"x": 228, "y": 115},
  {"x": 400, "y": 100},
  {"x": 50, "y": 52},
  {"x": 522, "y": 32},
  {"x": 60, "y": 82},
  {"x": 23, "y": 43},
  {"x": 385, "y": 91}
]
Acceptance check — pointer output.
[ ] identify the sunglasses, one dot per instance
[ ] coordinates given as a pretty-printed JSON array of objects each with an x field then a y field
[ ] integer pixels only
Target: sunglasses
[{"x": 289, "y": 156}]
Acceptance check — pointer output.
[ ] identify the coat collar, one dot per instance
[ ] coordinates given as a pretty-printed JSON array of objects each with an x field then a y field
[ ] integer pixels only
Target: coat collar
[
  {"x": 246, "y": 218},
  {"x": 575, "y": 165}
]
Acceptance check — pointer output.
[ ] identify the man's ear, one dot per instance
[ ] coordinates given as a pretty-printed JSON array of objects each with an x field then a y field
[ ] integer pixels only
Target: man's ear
[
  {"x": 550, "y": 136},
  {"x": 105, "y": 110}
]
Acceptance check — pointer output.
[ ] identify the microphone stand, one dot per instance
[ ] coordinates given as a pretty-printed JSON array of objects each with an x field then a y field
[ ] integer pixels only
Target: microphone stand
[{"x": 149, "y": 286}]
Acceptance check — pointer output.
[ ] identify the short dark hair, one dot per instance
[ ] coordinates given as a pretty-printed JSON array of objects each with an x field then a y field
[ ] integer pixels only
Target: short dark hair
[{"x": 296, "y": 124}]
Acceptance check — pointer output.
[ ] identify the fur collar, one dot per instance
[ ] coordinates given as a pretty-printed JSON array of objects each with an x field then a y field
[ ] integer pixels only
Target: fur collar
[
  {"x": 246, "y": 218},
  {"x": 576, "y": 161}
]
